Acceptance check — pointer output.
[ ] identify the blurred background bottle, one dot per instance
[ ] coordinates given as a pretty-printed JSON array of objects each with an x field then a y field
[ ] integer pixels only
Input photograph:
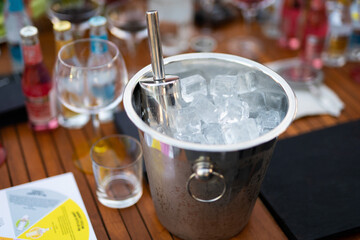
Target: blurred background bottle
[
  {"x": 37, "y": 85},
  {"x": 15, "y": 18},
  {"x": 176, "y": 21},
  {"x": 66, "y": 117},
  {"x": 353, "y": 51},
  {"x": 290, "y": 16},
  {"x": 340, "y": 28},
  {"x": 315, "y": 27},
  {"x": 100, "y": 55}
]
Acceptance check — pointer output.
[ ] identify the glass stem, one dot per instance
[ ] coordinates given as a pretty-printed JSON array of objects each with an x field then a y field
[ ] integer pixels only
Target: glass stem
[
  {"x": 249, "y": 17},
  {"x": 96, "y": 125},
  {"x": 131, "y": 46}
]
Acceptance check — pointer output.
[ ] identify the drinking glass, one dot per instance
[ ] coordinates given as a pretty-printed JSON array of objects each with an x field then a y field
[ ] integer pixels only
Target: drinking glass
[
  {"x": 271, "y": 27},
  {"x": 117, "y": 165},
  {"x": 126, "y": 22},
  {"x": 92, "y": 83},
  {"x": 78, "y": 12},
  {"x": 248, "y": 46}
]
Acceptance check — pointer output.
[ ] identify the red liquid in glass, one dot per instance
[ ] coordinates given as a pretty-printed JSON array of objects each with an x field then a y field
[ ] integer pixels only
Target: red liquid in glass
[{"x": 76, "y": 14}]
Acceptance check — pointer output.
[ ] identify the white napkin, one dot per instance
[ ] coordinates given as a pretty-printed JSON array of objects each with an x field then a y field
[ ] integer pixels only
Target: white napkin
[{"x": 312, "y": 100}]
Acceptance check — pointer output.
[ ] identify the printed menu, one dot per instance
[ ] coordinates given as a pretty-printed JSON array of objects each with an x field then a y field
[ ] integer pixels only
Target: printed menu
[{"x": 50, "y": 208}]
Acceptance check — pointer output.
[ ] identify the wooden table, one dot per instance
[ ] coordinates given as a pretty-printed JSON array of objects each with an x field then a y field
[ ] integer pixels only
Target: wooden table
[{"x": 37, "y": 155}]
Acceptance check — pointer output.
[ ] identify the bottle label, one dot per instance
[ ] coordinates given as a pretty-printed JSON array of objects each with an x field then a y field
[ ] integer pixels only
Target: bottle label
[
  {"x": 15, "y": 50},
  {"x": 41, "y": 109},
  {"x": 32, "y": 54},
  {"x": 97, "y": 47}
]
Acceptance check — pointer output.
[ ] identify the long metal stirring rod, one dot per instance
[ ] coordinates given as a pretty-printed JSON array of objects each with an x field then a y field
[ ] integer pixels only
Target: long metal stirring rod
[
  {"x": 152, "y": 20},
  {"x": 162, "y": 91}
]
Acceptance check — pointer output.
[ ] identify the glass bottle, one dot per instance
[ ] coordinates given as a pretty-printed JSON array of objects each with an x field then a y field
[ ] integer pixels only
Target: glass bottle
[
  {"x": 15, "y": 18},
  {"x": 353, "y": 51},
  {"x": 99, "y": 55},
  {"x": 314, "y": 33},
  {"x": 37, "y": 84},
  {"x": 289, "y": 26},
  {"x": 66, "y": 117},
  {"x": 334, "y": 53}
]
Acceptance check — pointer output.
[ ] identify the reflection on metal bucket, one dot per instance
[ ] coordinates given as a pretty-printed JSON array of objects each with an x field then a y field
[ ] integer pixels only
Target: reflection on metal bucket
[
  {"x": 187, "y": 218},
  {"x": 205, "y": 191}
]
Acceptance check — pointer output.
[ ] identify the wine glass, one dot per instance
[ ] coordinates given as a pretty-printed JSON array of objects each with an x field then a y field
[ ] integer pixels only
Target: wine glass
[
  {"x": 248, "y": 46},
  {"x": 78, "y": 12},
  {"x": 126, "y": 22},
  {"x": 208, "y": 14},
  {"x": 90, "y": 77},
  {"x": 250, "y": 8}
]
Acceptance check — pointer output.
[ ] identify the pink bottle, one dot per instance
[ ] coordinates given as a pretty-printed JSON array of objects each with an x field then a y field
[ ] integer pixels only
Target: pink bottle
[{"x": 37, "y": 84}]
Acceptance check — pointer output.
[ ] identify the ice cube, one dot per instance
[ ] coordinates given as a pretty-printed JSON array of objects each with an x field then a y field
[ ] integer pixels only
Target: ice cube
[
  {"x": 233, "y": 110},
  {"x": 224, "y": 85},
  {"x": 255, "y": 100},
  {"x": 251, "y": 80},
  {"x": 190, "y": 72},
  {"x": 189, "y": 137},
  {"x": 276, "y": 100},
  {"x": 191, "y": 86},
  {"x": 185, "y": 120},
  {"x": 268, "y": 120},
  {"x": 244, "y": 130},
  {"x": 212, "y": 133},
  {"x": 205, "y": 108}
]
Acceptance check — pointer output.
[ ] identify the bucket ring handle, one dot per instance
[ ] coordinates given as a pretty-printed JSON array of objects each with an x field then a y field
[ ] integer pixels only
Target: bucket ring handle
[{"x": 203, "y": 170}]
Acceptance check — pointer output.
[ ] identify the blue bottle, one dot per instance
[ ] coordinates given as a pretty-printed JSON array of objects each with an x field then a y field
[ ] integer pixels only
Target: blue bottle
[
  {"x": 103, "y": 88},
  {"x": 15, "y": 19}
]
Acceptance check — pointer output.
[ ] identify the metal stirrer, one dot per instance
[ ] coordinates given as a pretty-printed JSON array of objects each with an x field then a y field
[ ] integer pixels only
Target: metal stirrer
[
  {"x": 162, "y": 91},
  {"x": 157, "y": 62}
]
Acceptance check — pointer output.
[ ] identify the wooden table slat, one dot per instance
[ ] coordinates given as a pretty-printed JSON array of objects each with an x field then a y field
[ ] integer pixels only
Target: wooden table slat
[
  {"x": 15, "y": 160},
  {"x": 33, "y": 160}
]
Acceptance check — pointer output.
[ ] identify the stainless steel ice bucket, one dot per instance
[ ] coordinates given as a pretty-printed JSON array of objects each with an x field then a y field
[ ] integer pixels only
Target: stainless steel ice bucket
[{"x": 205, "y": 191}]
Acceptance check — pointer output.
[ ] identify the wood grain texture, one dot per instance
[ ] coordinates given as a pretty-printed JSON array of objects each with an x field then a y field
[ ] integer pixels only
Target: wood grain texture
[{"x": 36, "y": 155}]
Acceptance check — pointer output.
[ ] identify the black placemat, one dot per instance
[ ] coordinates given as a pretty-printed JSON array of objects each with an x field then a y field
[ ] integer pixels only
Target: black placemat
[
  {"x": 312, "y": 186},
  {"x": 124, "y": 125},
  {"x": 12, "y": 100}
]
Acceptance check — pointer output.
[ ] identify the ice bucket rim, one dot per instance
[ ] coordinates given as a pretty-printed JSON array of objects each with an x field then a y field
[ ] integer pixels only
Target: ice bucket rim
[{"x": 140, "y": 124}]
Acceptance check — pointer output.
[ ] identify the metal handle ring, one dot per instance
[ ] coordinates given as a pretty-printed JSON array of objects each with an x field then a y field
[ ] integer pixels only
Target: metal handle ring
[{"x": 194, "y": 175}]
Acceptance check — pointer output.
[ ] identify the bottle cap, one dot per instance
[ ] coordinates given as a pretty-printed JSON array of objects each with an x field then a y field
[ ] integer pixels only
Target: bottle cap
[
  {"x": 16, "y": 5},
  {"x": 62, "y": 26},
  {"x": 28, "y": 31},
  {"x": 97, "y": 21}
]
